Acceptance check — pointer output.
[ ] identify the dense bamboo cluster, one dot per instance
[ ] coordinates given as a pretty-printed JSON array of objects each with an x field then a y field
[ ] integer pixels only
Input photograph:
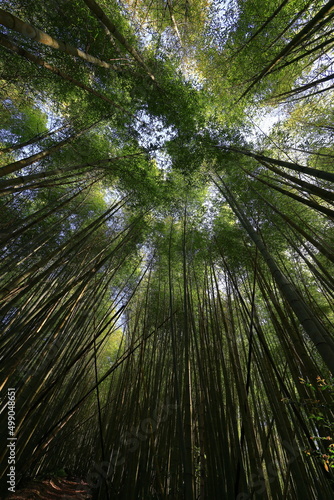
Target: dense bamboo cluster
[{"x": 166, "y": 286}]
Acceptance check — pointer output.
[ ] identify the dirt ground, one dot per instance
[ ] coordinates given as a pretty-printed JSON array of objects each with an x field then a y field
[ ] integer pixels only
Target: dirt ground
[{"x": 53, "y": 489}]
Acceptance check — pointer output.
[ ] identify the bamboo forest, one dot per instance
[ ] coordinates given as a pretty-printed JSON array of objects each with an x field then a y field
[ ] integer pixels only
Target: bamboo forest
[{"x": 167, "y": 249}]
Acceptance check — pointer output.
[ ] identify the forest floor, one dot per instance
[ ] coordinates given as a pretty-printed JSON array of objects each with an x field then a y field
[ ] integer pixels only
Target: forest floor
[{"x": 53, "y": 489}]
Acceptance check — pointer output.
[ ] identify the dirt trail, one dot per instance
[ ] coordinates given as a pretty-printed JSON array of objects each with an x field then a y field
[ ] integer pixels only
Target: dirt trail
[{"x": 53, "y": 489}]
